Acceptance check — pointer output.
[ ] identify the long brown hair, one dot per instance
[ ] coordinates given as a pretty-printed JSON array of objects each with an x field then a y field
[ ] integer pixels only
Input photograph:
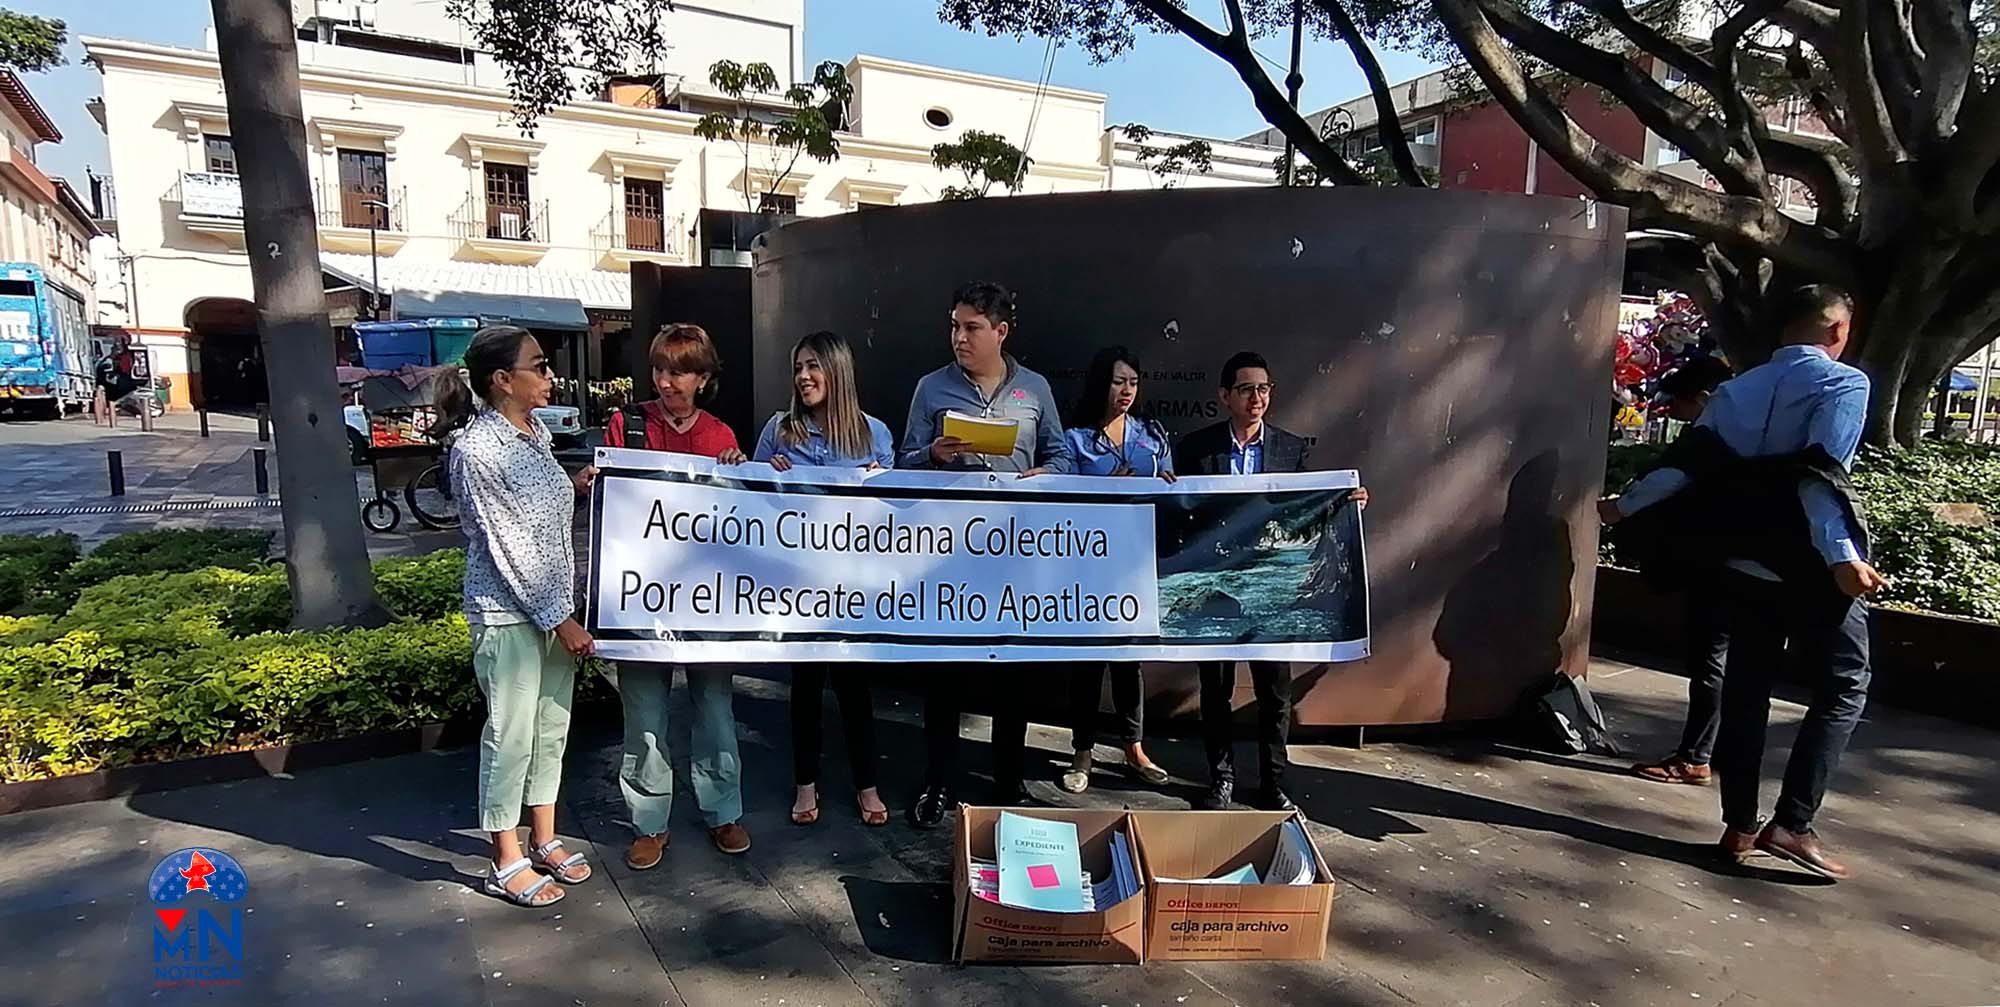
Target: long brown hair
[{"x": 846, "y": 427}]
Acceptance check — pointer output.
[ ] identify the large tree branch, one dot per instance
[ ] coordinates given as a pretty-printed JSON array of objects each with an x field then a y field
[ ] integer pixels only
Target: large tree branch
[
  {"x": 1944, "y": 30},
  {"x": 1823, "y": 104},
  {"x": 1816, "y": 23},
  {"x": 1233, "y": 47},
  {"x": 1656, "y": 43},
  {"x": 1745, "y": 122},
  {"x": 1664, "y": 112},
  {"x": 1965, "y": 162},
  {"x": 1894, "y": 43},
  {"x": 1656, "y": 199},
  {"x": 1818, "y": 171},
  {"x": 1876, "y": 141},
  {"x": 1388, "y": 123}
]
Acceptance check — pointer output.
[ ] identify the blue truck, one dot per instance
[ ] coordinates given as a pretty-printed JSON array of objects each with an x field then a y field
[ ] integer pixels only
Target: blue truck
[{"x": 45, "y": 355}]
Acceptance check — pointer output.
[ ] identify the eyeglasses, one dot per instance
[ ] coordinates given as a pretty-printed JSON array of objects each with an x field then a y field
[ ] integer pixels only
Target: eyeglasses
[
  {"x": 541, "y": 367},
  {"x": 1252, "y": 390}
]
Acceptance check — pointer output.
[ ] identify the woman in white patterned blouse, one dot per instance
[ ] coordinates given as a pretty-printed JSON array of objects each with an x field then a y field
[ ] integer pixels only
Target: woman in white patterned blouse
[{"x": 517, "y": 505}]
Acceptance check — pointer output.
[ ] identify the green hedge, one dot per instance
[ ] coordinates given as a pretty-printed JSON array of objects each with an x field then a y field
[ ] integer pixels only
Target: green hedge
[
  {"x": 29, "y": 564},
  {"x": 1933, "y": 566},
  {"x": 165, "y": 665}
]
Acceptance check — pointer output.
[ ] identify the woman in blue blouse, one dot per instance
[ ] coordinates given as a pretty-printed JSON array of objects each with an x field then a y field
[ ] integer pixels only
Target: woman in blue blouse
[
  {"x": 825, "y": 426},
  {"x": 1107, "y": 440}
]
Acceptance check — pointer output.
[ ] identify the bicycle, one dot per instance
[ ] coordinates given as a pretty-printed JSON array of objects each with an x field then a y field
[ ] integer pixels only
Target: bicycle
[{"x": 430, "y": 497}]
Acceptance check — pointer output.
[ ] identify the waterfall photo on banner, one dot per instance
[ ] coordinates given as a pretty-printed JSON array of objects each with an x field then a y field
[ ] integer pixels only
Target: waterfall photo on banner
[{"x": 692, "y": 561}]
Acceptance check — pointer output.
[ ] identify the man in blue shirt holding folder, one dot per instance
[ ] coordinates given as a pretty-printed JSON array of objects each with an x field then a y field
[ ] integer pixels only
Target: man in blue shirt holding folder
[
  {"x": 1801, "y": 412},
  {"x": 982, "y": 381}
]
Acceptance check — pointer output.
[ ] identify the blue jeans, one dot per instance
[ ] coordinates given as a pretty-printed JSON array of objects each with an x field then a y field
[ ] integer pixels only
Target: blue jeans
[
  {"x": 1821, "y": 636},
  {"x": 646, "y": 776}
]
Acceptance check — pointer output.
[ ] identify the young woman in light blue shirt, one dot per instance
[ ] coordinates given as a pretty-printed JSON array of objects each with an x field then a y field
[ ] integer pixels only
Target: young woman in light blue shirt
[
  {"x": 1106, "y": 439},
  {"x": 825, "y": 426}
]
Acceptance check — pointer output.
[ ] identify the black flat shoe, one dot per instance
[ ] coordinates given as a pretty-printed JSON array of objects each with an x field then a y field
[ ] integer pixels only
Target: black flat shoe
[
  {"x": 930, "y": 809},
  {"x": 1218, "y": 798},
  {"x": 1271, "y": 799}
]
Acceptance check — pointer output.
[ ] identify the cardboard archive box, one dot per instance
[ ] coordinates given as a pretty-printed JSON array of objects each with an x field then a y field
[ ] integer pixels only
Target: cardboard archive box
[
  {"x": 985, "y": 931},
  {"x": 1194, "y": 922}
]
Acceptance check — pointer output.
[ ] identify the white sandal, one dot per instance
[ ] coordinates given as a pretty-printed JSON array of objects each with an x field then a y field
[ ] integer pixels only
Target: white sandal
[
  {"x": 563, "y": 871},
  {"x": 496, "y": 886}
]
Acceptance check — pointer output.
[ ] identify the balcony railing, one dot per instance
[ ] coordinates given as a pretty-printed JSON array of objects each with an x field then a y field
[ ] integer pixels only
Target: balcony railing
[
  {"x": 479, "y": 219},
  {"x": 340, "y": 206},
  {"x": 103, "y": 197},
  {"x": 642, "y": 232}
]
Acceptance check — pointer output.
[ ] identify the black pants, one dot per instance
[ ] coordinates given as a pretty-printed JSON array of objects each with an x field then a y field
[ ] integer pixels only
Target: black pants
[
  {"x": 1707, "y": 626},
  {"x": 857, "y": 716},
  {"x": 1821, "y": 637},
  {"x": 1128, "y": 699},
  {"x": 1272, "y": 681},
  {"x": 944, "y": 701}
]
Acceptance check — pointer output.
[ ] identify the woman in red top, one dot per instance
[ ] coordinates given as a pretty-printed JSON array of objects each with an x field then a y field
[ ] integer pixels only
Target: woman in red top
[
  {"x": 685, "y": 366},
  {"x": 684, "y": 370}
]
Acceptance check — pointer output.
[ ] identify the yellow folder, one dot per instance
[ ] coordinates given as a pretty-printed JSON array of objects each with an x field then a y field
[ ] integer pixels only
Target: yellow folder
[{"x": 986, "y": 436}]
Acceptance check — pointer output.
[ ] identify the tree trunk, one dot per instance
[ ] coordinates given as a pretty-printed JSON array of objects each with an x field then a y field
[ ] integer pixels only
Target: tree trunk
[{"x": 326, "y": 553}]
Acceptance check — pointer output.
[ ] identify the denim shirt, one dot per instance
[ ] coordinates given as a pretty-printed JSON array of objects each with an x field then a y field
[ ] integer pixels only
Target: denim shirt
[
  {"x": 1144, "y": 450},
  {"x": 1023, "y": 395},
  {"x": 817, "y": 451},
  {"x": 1799, "y": 398},
  {"x": 516, "y": 505}
]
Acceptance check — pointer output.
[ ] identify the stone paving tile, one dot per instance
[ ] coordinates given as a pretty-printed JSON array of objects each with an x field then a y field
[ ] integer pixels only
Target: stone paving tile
[{"x": 1469, "y": 874}]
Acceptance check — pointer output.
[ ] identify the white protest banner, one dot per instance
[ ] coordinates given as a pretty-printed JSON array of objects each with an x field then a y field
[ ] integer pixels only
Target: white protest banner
[{"x": 693, "y": 561}]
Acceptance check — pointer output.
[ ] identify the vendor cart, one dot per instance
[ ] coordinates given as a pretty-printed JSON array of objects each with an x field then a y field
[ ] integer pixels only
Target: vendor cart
[{"x": 403, "y": 452}]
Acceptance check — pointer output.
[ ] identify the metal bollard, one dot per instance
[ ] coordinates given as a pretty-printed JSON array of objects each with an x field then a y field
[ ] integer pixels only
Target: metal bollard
[
  {"x": 116, "y": 459},
  {"x": 264, "y": 421},
  {"x": 257, "y": 460},
  {"x": 203, "y": 416}
]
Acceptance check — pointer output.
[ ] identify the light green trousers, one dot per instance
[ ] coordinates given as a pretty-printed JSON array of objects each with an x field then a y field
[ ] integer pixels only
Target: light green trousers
[
  {"x": 646, "y": 776},
  {"x": 528, "y": 679}
]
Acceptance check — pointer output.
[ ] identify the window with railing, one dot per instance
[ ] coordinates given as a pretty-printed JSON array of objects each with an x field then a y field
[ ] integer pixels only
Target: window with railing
[
  {"x": 364, "y": 189},
  {"x": 645, "y": 215},
  {"x": 507, "y": 206},
  {"x": 220, "y": 153}
]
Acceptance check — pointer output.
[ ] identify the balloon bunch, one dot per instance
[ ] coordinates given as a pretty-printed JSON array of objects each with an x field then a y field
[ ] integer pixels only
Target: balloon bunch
[{"x": 1650, "y": 347}]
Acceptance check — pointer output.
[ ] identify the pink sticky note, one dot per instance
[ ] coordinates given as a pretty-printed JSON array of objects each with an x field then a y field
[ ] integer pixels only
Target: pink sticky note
[{"x": 1042, "y": 876}]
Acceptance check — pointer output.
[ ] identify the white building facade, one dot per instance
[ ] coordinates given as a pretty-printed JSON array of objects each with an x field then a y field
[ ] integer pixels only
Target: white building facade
[{"x": 424, "y": 185}]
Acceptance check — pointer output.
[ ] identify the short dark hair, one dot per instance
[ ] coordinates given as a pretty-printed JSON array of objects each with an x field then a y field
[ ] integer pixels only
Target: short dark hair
[
  {"x": 1696, "y": 377},
  {"x": 1814, "y": 303},
  {"x": 1238, "y": 362},
  {"x": 990, "y": 299}
]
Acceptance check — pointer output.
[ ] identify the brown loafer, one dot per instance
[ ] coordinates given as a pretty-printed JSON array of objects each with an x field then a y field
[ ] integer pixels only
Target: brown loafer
[
  {"x": 1803, "y": 849},
  {"x": 645, "y": 852},
  {"x": 1674, "y": 770},
  {"x": 732, "y": 838},
  {"x": 1739, "y": 845}
]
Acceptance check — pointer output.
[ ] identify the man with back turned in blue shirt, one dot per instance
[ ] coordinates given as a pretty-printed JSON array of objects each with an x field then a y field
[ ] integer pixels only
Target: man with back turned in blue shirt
[{"x": 1770, "y": 456}]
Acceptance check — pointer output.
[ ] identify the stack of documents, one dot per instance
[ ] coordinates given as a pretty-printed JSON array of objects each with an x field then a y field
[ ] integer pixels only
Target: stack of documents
[
  {"x": 1291, "y": 864},
  {"x": 1040, "y": 868}
]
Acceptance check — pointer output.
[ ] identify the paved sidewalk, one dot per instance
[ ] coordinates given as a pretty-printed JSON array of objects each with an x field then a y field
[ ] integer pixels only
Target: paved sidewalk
[
  {"x": 207, "y": 482},
  {"x": 1470, "y": 874}
]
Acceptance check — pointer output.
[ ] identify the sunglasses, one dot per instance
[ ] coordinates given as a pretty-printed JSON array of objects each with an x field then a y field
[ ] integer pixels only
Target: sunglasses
[{"x": 541, "y": 367}]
